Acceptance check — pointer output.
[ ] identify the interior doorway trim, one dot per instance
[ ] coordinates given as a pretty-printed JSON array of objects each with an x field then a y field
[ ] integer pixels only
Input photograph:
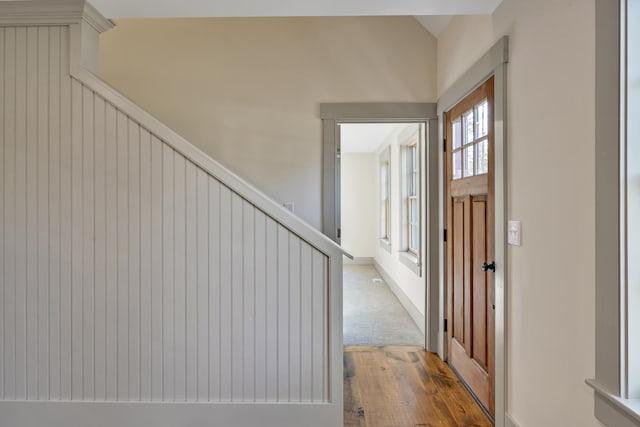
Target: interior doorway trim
[
  {"x": 493, "y": 63},
  {"x": 334, "y": 114}
]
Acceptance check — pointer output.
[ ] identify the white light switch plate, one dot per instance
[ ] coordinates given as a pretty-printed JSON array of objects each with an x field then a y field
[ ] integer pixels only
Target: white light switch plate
[{"x": 514, "y": 233}]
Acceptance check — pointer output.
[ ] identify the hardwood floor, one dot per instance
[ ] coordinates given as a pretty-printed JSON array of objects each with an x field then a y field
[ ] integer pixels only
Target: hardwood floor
[{"x": 404, "y": 386}]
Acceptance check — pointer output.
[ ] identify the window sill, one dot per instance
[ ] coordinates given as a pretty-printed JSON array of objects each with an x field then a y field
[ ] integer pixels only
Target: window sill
[
  {"x": 385, "y": 244},
  {"x": 411, "y": 262},
  {"x": 612, "y": 410}
]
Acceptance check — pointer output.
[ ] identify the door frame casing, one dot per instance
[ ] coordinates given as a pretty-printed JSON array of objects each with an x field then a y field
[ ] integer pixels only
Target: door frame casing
[
  {"x": 493, "y": 63},
  {"x": 334, "y": 114}
]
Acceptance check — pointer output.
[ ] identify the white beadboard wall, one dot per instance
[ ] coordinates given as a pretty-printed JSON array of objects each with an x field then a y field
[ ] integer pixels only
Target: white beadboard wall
[{"x": 128, "y": 272}]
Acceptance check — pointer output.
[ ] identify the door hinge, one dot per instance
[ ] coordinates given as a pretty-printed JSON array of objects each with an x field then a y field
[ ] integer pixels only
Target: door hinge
[
  {"x": 445, "y": 325},
  {"x": 444, "y": 237},
  {"x": 338, "y": 233},
  {"x": 444, "y": 145}
]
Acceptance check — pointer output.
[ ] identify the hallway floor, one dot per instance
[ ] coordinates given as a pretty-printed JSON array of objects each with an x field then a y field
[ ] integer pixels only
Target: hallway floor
[
  {"x": 404, "y": 386},
  {"x": 372, "y": 313}
]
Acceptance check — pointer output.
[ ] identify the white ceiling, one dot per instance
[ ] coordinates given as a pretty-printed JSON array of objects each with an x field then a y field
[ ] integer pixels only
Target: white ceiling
[
  {"x": 435, "y": 24},
  {"x": 227, "y": 8},
  {"x": 366, "y": 137}
]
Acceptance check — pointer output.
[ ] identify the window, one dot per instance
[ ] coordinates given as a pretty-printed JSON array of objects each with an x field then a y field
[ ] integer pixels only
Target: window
[
  {"x": 470, "y": 142},
  {"x": 385, "y": 199},
  {"x": 413, "y": 220},
  {"x": 632, "y": 135},
  {"x": 410, "y": 231},
  {"x": 617, "y": 382}
]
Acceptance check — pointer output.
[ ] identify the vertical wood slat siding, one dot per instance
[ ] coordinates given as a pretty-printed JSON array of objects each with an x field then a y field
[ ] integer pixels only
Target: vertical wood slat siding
[{"x": 129, "y": 273}]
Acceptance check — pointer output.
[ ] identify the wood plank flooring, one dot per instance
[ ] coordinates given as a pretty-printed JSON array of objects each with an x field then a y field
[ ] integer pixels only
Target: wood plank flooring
[{"x": 404, "y": 386}]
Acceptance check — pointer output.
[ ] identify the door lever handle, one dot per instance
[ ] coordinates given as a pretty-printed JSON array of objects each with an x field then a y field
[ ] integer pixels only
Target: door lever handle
[{"x": 489, "y": 267}]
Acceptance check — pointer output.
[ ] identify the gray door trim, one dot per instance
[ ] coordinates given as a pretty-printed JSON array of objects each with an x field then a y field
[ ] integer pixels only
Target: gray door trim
[
  {"x": 332, "y": 115},
  {"x": 493, "y": 63}
]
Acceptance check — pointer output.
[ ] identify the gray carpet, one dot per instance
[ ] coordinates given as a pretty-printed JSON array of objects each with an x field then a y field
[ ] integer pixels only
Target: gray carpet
[{"x": 372, "y": 313}]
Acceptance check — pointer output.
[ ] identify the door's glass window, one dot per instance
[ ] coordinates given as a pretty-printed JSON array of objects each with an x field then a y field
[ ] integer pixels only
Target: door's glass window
[{"x": 470, "y": 136}]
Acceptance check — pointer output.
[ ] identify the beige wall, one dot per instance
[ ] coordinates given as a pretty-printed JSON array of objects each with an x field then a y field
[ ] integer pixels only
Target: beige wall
[
  {"x": 359, "y": 204},
  {"x": 247, "y": 91},
  {"x": 551, "y": 285}
]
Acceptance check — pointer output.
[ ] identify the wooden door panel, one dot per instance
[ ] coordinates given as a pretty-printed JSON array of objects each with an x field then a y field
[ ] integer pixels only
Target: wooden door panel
[
  {"x": 479, "y": 289},
  {"x": 468, "y": 337},
  {"x": 475, "y": 376},
  {"x": 458, "y": 300}
]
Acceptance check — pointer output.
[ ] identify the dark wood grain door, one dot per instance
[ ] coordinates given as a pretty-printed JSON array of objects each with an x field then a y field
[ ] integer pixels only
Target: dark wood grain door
[{"x": 470, "y": 242}]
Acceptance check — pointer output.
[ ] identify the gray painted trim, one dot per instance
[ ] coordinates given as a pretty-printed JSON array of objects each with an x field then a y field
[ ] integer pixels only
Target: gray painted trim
[
  {"x": 476, "y": 75},
  {"x": 377, "y": 111},
  {"x": 358, "y": 260},
  {"x": 607, "y": 157},
  {"x": 406, "y": 302},
  {"x": 494, "y": 62},
  {"x": 510, "y": 422},
  {"x": 433, "y": 238},
  {"x": 330, "y": 182}
]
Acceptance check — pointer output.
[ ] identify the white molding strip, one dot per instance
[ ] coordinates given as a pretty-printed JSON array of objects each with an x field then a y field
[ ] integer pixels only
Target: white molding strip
[
  {"x": 51, "y": 12},
  {"x": 94, "y": 18},
  {"x": 161, "y": 414},
  {"x": 409, "y": 306},
  {"x": 302, "y": 229}
]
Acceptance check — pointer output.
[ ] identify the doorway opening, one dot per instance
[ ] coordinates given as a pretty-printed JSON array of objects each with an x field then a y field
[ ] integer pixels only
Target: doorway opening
[
  {"x": 400, "y": 370},
  {"x": 334, "y": 116},
  {"x": 380, "y": 224}
]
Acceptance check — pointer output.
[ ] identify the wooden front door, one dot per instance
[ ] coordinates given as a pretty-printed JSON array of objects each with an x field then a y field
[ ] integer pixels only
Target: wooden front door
[{"x": 470, "y": 242}]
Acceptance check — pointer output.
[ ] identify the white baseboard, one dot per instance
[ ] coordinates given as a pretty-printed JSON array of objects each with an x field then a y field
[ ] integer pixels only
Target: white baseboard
[
  {"x": 413, "y": 311},
  {"x": 510, "y": 422},
  {"x": 165, "y": 414},
  {"x": 358, "y": 260}
]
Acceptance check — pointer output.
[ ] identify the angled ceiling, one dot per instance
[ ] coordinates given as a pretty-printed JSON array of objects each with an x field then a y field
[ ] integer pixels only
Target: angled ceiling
[
  {"x": 435, "y": 24},
  {"x": 248, "y": 8},
  {"x": 366, "y": 137}
]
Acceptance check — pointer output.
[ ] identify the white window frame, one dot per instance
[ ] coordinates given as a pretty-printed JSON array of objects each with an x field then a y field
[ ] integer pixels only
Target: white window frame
[
  {"x": 617, "y": 379},
  {"x": 408, "y": 138},
  {"x": 385, "y": 204},
  {"x": 412, "y": 185}
]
